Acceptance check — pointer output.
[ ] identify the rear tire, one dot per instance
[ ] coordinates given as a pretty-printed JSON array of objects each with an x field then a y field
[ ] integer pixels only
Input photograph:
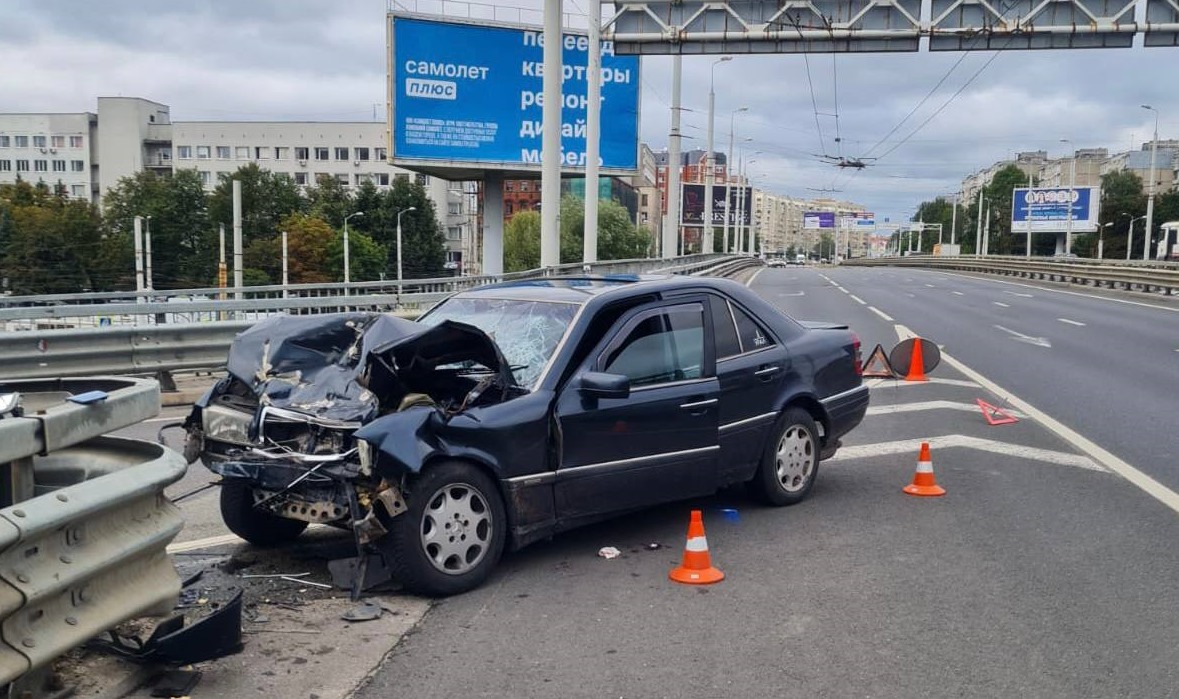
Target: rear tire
[
  {"x": 452, "y": 535},
  {"x": 256, "y": 526},
  {"x": 790, "y": 463}
]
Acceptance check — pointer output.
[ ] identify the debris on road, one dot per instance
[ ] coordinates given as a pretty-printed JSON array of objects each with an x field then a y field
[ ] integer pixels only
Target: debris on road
[
  {"x": 609, "y": 552},
  {"x": 363, "y": 611}
]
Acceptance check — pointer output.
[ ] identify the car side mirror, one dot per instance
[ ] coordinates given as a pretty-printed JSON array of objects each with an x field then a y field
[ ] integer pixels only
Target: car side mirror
[{"x": 598, "y": 385}]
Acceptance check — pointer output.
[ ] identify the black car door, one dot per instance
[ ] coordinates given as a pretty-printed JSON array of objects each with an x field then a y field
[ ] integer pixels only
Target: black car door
[
  {"x": 657, "y": 444},
  {"x": 751, "y": 366}
]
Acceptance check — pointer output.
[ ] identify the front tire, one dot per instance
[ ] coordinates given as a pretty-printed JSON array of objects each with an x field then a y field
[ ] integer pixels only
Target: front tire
[
  {"x": 256, "y": 526},
  {"x": 452, "y": 535},
  {"x": 790, "y": 463}
]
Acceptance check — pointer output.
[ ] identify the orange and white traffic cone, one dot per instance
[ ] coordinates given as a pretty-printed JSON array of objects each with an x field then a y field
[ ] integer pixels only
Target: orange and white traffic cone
[
  {"x": 923, "y": 481},
  {"x": 916, "y": 363},
  {"x": 696, "y": 568}
]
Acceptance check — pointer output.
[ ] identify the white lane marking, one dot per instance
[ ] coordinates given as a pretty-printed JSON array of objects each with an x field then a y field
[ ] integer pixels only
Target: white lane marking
[
  {"x": 1001, "y": 304},
  {"x": 206, "y": 543},
  {"x": 1014, "y": 293},
  {"x": 900, "y": 382},
  {"x": 1072, "y": 322},
  {"x": 912, "y": 296},
  {"x": 1148, "y": 485},
  {"x": 1037, "y": 341},
  {"x": 1173, "y": 309},
  {"x": 891, "y": 408},
  {"x": 755, "y": 274},
  {"x": 885, "y": 316},
  {"x": 957, "y": 293},
  {"x": 931, "y": 286},
  {"x": 793, "y": 293},
  {"x": 843, "y": 289},
  {"x": 911, "y": 446},
  {"x": 859, "y": 300}
]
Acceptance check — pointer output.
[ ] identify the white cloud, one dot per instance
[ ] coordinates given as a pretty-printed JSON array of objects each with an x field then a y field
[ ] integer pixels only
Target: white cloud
[{"x": 303, "y": 59}]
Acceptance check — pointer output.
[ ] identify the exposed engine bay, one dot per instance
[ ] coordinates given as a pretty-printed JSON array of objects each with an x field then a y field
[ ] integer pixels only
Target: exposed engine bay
[{"x": 323, "y": 417}]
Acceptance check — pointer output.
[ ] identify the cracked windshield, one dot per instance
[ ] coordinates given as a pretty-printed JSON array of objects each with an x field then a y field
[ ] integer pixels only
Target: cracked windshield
[{"x": 589, "y": 348}]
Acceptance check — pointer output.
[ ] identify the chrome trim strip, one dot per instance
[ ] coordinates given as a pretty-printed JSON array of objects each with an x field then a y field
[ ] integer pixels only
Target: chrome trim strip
[
  {"x": 845, "y": 394},
  {"x": 682, "y": 382},
  {"x": 750, "y": 353},
  {"x": 699, "y": 403},
  {"x": 533, "y": 479},
  {"x": 638, "y": 460},
  {"x": 746, "y": 421},
  {"x": 767, "y": 371}
]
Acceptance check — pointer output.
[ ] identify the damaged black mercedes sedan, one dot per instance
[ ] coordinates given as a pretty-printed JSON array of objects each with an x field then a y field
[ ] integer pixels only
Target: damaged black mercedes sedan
[{"x": 512, "y": 412}]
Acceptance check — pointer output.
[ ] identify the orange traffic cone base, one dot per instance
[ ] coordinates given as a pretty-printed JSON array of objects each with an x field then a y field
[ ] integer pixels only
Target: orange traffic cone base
[
  {"x": 926, "y": 490},
  {"x": 706, "y": 576}
]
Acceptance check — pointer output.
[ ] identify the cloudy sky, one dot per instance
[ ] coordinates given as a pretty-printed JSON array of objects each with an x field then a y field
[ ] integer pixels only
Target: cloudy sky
[{"x": 320, "y": 60}]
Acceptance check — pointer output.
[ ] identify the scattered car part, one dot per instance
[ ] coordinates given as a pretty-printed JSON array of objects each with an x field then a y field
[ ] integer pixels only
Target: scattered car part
[{"x": 363, "y": 611}]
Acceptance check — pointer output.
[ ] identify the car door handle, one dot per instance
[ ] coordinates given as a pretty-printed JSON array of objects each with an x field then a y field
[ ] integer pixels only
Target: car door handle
[
  {"x": 766, "y": 372},
  {"x": 697, "y": 407}
]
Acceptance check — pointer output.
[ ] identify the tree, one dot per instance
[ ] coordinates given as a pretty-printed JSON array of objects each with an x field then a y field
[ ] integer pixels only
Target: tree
[
  {"x": 184, "y": 244},
  {"x": 329, "y": 200},
  {"x": 423, "y": 242},
  {"x": 51, "y": 244},
  {"x": 1121, "y": 199},
  {"x": 825, "y": 247},
  {"x": 309, "y": 239},
  {"x": 618, "y": 238},
  {"x": 266, "y": 199},
  {"x": 940, "y": 210},
  {"x": 367, "y": 258},
  {"x": 522, "y": 242}
]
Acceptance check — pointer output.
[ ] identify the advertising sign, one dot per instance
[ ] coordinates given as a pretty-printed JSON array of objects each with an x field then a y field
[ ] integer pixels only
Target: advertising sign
[
  {"x": 1046, "y": 209},
  {"x": 818, "y": 219},
  {"x": 471, "y": 95},
  {"x": 692, "y": 205}
]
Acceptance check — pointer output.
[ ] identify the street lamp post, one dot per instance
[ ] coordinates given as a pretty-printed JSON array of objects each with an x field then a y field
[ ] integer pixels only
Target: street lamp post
[
  {"x": 710, "y": 178},
  {"x": 399, "y": 213},
  {"x": 1154, "y": 141},
  {"x": 1130, "y": 233},
  {"x": 347, "y": 261},
  {"x": 1072, "y": 183},
  {"x": 729, "y": 173},
  {"x": 1101, "y": 240}
]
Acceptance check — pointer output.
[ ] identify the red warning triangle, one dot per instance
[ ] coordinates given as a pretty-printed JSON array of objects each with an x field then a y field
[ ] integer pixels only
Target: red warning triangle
[
  {"x": 877, "y": 365},
  {"x": 993, "y": 415}
]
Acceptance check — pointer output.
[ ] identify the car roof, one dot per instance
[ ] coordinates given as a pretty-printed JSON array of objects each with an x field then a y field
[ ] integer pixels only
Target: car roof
[{"x": 577, "y": 289}]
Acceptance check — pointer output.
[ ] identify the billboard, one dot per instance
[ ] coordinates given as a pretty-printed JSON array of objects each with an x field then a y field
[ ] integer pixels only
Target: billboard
[
  {"x": 818, "y": 219},
  {"x": 471, "y": 95},
  {"x": 1046, "y": 209},
  {"x": 692, "y": 205}
]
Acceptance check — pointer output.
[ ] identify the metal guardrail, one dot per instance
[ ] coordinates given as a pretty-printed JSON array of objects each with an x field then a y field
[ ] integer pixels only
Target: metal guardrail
[
  {"x": 151, "y": 349},
  {"x": 84, "y": 532},
  {"x": 215, "y": 304},
  {"x": 1151, "y": 279}
]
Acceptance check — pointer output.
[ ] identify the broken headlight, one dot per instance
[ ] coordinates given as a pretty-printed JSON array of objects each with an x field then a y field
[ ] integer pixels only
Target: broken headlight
[{"x": 226, "y": 424}]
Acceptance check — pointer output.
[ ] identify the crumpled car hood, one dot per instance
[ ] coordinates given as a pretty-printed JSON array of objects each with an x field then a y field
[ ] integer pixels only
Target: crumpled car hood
[{"x": 320, "y": 364}]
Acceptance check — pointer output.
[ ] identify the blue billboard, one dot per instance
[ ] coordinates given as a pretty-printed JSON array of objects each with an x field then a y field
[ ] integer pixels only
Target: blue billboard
[
  {"x": 472, "y": 95},
  {"x": 1046, "y": 209},
  {"x": 818, "y": 219}
]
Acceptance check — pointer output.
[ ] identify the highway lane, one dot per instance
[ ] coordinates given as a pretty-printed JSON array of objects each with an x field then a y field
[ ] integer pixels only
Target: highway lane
[
  {"x": 1029, "y": 578},
  {"x": 1105, "y": 368}
]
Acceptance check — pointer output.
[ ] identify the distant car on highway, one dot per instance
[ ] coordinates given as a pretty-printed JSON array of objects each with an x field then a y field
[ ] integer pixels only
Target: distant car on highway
[{"x": 513, "y": 412}]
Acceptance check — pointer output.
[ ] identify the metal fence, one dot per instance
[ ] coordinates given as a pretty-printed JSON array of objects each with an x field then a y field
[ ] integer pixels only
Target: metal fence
[
  {"x": 86, "y": 525},
  {"x": 1156, "y": 278},
  {"x": 208, "y": 305},
  {"x": 170, "y": 347}
]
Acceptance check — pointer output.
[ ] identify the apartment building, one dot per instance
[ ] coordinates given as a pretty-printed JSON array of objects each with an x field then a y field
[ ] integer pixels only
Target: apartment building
[{"x": 87, "y": 153}]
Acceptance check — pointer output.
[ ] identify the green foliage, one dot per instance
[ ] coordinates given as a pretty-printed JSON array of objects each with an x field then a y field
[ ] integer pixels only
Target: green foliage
[
  {"x": 366, "y": 257},
  {"x": 522, "y": 242},
  {"x": 50, "y": 243},
  {"x": 184, "y": 247},
  {"x": 266, "y": 199},
  {"x": 1122, "y": 198},
  {"x": 309, "y": 240}
]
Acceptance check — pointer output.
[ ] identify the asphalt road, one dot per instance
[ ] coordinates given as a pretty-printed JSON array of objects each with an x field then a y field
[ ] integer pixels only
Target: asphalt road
[
  {"x": 1040, "y": 573},
  {"x": 1102, "y": 363}
]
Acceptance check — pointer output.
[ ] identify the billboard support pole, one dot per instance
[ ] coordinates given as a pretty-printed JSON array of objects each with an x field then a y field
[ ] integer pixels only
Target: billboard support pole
[
  {"x": 550, "y": 177},
  {"x": 237, "y": 238},
  {"x": 593, "y": 121},
  {"x": 671, "y": 232},
  {"x": 493, "y": 223}
]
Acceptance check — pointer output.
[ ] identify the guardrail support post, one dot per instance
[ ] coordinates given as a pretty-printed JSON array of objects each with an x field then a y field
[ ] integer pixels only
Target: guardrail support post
[{"x": 16, "y": 481}]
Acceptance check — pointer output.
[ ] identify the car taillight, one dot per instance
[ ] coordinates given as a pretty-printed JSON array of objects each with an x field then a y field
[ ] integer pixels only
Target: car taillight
[{"x": 857, "y": 358}]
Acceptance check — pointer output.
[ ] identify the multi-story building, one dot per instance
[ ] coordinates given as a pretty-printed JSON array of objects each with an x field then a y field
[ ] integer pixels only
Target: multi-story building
[
  {"x": 1029, "y": 162},
  {"x": 89, "y": 152},
  {"x": 1166, "y": 160},
  {"x": 1083, "y": 169}
]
